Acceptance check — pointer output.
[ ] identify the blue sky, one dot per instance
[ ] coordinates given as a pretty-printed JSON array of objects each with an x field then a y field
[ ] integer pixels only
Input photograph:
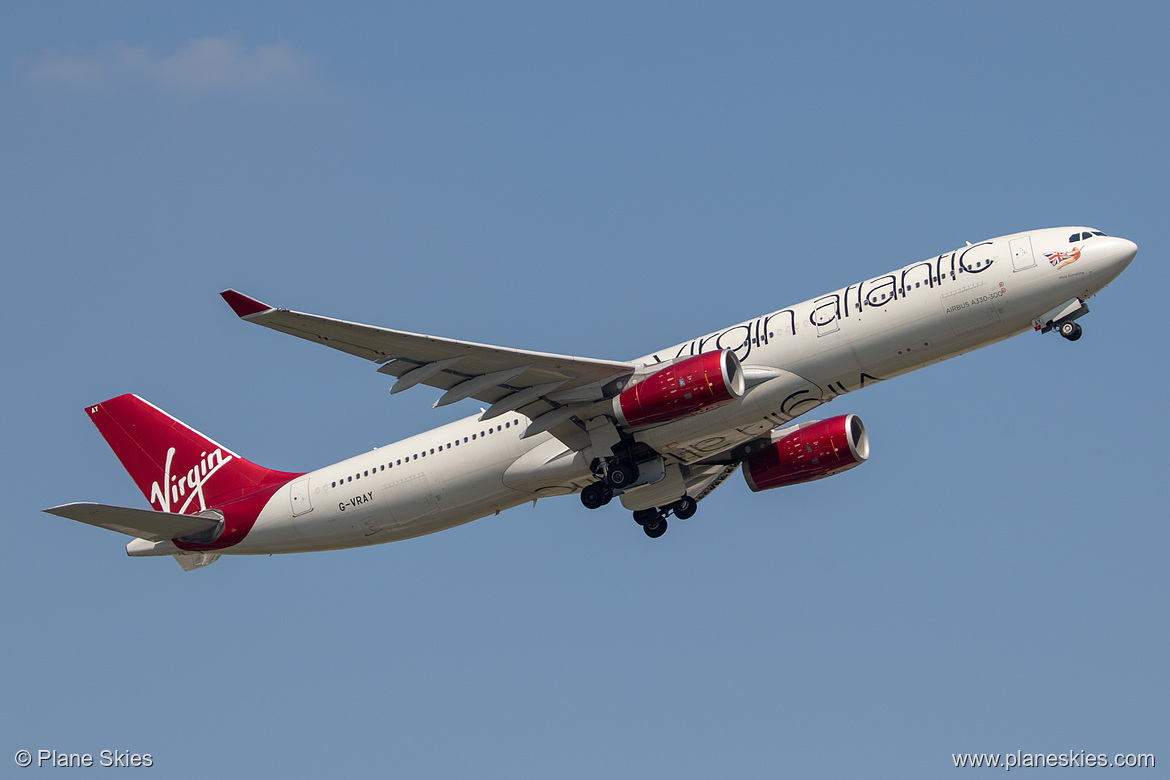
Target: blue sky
[{"x": 600, "y": 180}]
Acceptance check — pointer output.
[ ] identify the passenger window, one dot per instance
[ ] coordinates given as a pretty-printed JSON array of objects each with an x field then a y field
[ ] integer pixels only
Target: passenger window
[
  {"x": 349, "y": 479},
  {"x": 432, "y": 450}
]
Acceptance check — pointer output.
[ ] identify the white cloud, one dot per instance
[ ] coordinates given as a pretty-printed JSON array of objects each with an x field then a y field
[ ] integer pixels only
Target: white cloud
[{"x": 205, "y": 64}]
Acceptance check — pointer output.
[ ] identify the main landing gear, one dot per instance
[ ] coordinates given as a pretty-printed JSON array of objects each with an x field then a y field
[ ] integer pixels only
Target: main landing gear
[
  {"x": 596, "y": 495},
  {"x": 1070, "y": 330},
  {"x": 653, "y": 521},
  {"x": 620, "y": 475}
]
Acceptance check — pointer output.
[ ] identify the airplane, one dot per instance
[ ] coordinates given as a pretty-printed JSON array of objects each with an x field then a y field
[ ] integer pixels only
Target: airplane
[{"x": 659, "y": 433}]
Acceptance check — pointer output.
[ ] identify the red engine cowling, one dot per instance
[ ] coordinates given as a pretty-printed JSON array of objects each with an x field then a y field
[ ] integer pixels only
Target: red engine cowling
[
  {"x": 817, "y": 450},
  {"x": 696, "y": 384}
]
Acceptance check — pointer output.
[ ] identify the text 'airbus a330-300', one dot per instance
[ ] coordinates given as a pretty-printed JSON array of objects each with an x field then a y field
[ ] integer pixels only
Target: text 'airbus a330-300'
[{"x": 659, "y": 433}]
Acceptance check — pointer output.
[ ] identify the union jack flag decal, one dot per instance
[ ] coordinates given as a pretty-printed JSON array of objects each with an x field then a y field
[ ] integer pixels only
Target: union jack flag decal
[{"x": 1061, "y": 259}]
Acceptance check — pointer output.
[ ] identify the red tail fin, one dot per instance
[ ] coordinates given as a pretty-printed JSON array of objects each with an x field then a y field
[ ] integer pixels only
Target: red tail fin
[{"x": 177, "y": 468}]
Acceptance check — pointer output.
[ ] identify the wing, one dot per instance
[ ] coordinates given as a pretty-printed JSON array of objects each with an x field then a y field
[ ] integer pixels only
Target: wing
[
  {"x": 139, "y": 523},
  {"x": 546, "y": 388}
]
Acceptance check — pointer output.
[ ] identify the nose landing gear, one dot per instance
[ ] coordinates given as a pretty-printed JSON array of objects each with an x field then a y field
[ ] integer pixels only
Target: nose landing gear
[{"x": 1070, "y": 330}]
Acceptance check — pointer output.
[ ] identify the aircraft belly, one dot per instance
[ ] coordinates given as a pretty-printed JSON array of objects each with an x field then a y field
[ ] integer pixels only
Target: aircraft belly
[
  {"x": 468, "y": 493},
  {"x": 548, "y": 469}
]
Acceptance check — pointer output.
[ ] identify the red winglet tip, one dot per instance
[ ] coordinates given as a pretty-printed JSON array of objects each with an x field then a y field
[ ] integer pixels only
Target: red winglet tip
[{"x": 242, "y": 305}]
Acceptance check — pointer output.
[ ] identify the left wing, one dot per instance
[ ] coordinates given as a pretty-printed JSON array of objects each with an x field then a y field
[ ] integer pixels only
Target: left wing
[{"x": 546, "y": 388}]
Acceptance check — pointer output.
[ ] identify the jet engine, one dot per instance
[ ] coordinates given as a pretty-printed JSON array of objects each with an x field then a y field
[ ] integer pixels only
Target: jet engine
[
  {"x": 813, "y": 451},
  {"x": 686, "y": 387}
]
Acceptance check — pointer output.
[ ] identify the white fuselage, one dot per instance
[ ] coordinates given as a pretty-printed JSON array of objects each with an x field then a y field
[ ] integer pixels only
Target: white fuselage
[{"x": 816, "y": 350}]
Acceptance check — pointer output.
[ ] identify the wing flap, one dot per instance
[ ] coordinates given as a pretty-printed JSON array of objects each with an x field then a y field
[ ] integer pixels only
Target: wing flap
[{"x": 139, "y": 523}]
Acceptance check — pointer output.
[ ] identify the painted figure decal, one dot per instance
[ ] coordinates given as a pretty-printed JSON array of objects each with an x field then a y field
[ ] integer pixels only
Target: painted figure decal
[{"x": 1061, "y": 259}]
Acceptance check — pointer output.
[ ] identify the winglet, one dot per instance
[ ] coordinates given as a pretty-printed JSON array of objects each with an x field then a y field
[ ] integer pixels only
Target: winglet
[{"x": 242, "y": 305}]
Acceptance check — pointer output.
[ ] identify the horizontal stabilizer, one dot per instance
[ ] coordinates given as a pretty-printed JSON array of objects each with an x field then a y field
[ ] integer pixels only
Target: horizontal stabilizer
[{"x": 139, "y": 523}]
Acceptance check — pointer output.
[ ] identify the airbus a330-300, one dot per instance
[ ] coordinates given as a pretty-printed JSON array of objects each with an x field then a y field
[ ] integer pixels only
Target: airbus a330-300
[{"x": 659, "y": 433}]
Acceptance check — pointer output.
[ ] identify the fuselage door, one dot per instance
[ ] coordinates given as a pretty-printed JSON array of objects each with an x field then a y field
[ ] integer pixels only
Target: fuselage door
[
  {"x": 1022, "y": 258},
  {"x": 300, "y": 497}
]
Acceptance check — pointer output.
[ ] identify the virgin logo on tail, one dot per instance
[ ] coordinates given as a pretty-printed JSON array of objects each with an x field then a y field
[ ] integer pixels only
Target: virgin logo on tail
[{"x": 176, "y": 487}]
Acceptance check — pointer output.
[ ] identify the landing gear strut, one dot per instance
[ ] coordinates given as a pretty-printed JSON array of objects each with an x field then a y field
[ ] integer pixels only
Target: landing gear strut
[
  {"x": 644, "y": 516},
  {"x": 1070, "y": 330}
]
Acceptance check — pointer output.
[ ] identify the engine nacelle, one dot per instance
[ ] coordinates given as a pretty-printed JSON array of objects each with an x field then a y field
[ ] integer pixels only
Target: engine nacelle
[
  {"x": 690, "y": 386},
  {"x": 814, "y": 451}
]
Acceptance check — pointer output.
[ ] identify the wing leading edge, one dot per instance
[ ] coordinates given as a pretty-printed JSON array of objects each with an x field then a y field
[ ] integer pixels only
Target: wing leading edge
[{"x": 544, "y": 387}]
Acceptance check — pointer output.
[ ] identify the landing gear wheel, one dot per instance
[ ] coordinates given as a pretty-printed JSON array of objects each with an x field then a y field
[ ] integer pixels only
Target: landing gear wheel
[
  {"x": 655, "y": 530},
  {"x": 622, "y": 475},
  {"x": 685, "y": 508},
  {"x": 595, "y": 495},
  {"x": 644, "y": 516},
  {"x": 1070, "y": 330}
]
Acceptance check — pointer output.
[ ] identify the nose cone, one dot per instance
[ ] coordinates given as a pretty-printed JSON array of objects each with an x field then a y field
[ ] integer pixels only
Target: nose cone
[
  {"x": 1116, "y": 253},
  {"x": 1108, "y": 256}
]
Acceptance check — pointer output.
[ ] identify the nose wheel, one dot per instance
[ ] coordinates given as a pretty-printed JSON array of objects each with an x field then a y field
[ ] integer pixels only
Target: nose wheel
[{"x": 1070, "y": 330}]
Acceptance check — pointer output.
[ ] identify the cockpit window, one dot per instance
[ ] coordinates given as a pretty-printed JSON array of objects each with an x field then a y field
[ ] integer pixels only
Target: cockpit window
[{"x": 1075, "y": 237}]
